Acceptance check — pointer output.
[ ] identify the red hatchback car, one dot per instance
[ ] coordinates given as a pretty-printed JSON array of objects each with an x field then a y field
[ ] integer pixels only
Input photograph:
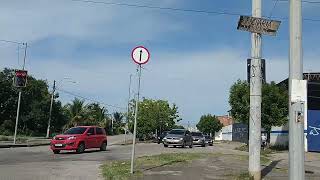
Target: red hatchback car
[{"x": 80, "y": 138}]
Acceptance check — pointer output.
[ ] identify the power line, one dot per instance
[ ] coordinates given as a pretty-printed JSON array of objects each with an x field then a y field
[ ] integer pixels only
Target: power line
[
  {"x": 274, "y": 7},
  {"x": 82, "y": 97},
  {"x": 303, "y": 1},
  {"x": 10, "y": 41},
  {"x": 186, "y": 10},
  {"x": 159, "y": 7}
]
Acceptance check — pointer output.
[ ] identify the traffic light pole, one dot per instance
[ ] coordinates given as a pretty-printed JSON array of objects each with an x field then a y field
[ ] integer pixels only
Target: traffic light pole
[
  {"x": 19, "y": 98},
  {"x": 50, "y": 113}
]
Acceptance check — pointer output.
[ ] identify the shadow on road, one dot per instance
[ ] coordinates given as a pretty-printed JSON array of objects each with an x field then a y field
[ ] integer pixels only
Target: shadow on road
[
  {"x": 85, "y": 152},
  {"x": 265, "y": 171}
]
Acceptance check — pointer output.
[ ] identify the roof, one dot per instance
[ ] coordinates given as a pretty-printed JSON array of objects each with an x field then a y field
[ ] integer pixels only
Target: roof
[{"x": 225, "y": 120}]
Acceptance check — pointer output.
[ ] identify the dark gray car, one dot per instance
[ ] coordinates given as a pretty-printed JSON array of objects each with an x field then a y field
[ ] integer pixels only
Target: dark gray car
[
  {"x": 198, "y": 139},
  {"x": 178, "y": 137}
]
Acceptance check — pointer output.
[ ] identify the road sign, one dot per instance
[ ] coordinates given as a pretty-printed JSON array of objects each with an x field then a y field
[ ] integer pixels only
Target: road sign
[
  {"x": 140, "y": 55},
  {"x": 20, "y": 78},
  {"x": 258, "y": 25}
]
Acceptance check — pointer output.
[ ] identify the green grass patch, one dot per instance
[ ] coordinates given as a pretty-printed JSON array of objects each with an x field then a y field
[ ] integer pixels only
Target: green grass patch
[{"x": 120, "y": 170}]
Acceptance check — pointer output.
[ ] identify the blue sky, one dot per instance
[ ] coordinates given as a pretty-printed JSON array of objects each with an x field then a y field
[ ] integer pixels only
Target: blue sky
[{"x": 195, "y": 57}]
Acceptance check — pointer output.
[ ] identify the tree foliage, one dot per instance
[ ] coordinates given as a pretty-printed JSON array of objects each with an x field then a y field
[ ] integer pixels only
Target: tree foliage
[
  {"x": 209, "y": 124},
  {"x": 34, "y": 107},
  {"x": 274, "y": 111},
  {"x": 154, "y": 115}
]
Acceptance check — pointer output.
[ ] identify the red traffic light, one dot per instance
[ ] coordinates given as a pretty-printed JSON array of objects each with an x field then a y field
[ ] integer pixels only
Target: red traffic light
[{"x": 20, "y": 79}]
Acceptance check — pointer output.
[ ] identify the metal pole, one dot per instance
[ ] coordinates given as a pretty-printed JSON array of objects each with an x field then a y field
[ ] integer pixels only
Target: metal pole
[
  {"x": 50, "y": 112},
  {"x": 255, "y": 99},
  {"x": 17, "y": 119},
  {"x": 19, "y": 98},
  {"x": 296, "y": 129},
  {"x": 135, "y": 123},
  {"x": 128, "y": 111}
]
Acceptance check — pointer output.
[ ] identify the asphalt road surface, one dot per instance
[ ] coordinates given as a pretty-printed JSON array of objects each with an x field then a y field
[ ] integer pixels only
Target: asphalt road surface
[{"x": 39, "y": 163}]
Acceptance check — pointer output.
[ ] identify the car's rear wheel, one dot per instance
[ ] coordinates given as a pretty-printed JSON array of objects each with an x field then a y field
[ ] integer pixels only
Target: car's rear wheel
[
  {"x": 56, "y": 151},
  {"x": 103, "y": 146},
  {"x": 81, "y": 148}
]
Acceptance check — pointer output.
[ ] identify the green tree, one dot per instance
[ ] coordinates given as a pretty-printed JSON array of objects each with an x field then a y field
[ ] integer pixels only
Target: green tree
[
  {"x": 209, "y": 124},
  {"x": 34, "y": 107},
  {"x": 154, "y": 115},
  {"x": 274, "y": 111}
]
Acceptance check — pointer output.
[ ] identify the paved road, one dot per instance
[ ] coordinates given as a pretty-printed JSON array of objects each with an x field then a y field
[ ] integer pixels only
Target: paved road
[
  {"x": 39, "y": 163},
  {"x": 33, "y": 163}
]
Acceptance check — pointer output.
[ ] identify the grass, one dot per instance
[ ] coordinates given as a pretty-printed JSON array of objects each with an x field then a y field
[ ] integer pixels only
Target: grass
[{"x": 120, "y": 170}]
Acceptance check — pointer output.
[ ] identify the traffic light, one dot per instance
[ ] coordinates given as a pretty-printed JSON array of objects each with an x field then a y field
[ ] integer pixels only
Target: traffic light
[{"x": 20, "y": 79}]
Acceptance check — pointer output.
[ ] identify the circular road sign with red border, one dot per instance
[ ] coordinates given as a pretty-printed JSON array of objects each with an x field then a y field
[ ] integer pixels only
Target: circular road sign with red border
[{"x": 140, "y": 55}]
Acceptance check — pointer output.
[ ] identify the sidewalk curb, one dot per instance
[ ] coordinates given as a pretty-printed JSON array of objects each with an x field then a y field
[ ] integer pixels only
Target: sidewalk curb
[{"x": 22, "y": 145}]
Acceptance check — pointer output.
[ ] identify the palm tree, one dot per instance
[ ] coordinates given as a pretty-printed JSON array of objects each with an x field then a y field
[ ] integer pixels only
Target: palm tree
[{"x": 76, "y": 112}]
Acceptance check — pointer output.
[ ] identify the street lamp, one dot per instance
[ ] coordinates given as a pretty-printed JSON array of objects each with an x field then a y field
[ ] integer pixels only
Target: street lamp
[{"x": 51, "y": 103}]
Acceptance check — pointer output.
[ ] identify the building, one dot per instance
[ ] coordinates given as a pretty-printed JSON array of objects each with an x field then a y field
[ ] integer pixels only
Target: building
[
  {"x": 226, "y": 120},
  {"x": 279, "y": 135}
]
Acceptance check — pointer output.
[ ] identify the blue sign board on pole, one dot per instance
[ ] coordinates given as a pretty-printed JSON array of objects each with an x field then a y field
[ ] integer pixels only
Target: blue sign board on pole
[{"x": 313, "y": 135}]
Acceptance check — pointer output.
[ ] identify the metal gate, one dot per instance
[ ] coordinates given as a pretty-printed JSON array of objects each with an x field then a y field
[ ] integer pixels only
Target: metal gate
[{"x": 313, "y": 135}]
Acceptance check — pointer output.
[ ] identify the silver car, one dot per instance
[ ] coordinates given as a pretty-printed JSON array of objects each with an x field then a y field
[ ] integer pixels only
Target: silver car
[
  {"x": 198, "y": 139},
  {"x": 178, "y": 137}
]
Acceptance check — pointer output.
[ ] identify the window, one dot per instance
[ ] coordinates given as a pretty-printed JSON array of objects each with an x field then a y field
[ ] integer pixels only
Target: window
[
  {"x": 76, "y": 130},
  {"x": 99, "y": 131},
  {"x": 91, "y": 131},
  {"x": 177, "y": 131},
  {"x": 196, "y": 134}
]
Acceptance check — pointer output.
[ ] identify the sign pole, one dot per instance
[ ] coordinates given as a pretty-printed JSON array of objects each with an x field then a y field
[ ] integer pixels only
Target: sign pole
[
  {"x": 135, "y": 121},
  {"x": 255, "y": 99},
  {"x": 19, "y": 98},
  {"x": 296, "y": 128}
]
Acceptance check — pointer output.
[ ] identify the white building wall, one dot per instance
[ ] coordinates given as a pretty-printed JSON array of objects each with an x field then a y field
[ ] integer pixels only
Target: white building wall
[
  {"x": 279, "y": 136},
  {"x": 227, "y": 133},
  {"x": 218, "y": 136}
]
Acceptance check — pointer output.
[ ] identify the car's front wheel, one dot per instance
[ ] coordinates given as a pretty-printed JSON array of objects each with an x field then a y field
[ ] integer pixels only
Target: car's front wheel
[
  {"x": 56, "y": 151},
  {"x": 165, "y": 145},
  {"x": 103, "y": 146},
  {"x": 81, "y": 148}
]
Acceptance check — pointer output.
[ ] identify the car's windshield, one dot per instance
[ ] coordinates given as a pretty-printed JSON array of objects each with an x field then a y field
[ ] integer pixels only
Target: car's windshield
[
  {"x": 76, "y": 130},
  {"x": 196, "y": 134},
  {"x": 179, "y": 132},
  {"x": 207, "y": 137}
]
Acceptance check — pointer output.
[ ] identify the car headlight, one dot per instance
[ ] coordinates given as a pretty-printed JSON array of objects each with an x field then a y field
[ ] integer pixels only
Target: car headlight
[
  {"x": 164, "y": 138},
  {"x": 181, "y": 139},
  {"x": 71, "y": 138}
]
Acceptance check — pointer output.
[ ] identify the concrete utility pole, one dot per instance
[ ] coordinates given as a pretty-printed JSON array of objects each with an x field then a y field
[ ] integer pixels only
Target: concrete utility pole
[
  {"x": 50, "y": 112},
  {"x": 296, "y": 128},
  {"x": 128, "y": 111},
  {"x": 255, "y": 99},
  {"x": 19, "y": 98},
  {"x": 135, "y": 121}
]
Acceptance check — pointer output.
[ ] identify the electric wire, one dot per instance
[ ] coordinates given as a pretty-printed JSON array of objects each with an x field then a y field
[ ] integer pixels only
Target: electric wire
[{"x": 89, "y": 99}]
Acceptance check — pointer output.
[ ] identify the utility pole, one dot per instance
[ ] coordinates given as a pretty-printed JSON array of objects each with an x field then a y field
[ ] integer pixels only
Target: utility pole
[
  {"x": 296, "y": 128},
  {"x": 135, "y": 120},
  {"x": 255, "y": 99},
  {"x": 19, "y": 98},
  {"x": 50, "y": 112},
  {"x": 128, "y": 111}
]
